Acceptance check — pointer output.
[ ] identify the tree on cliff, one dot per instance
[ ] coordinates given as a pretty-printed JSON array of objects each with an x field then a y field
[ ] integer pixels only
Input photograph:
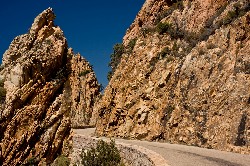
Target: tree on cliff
[{"x": 115, "y": 58}]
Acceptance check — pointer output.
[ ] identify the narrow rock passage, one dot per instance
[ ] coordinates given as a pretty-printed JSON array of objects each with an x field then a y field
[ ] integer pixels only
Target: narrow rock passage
[{"x": 182, "y": 155}]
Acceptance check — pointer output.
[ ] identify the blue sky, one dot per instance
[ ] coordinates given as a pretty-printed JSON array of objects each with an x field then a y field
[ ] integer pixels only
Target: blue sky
[{"x": 91, "y": 27}]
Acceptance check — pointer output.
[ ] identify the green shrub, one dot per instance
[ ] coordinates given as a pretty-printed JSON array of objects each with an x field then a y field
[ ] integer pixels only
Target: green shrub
[
  {"x": 1, "y": 67},
  {"x": 163, "y": 27},
  {"x": 164, "y": 52},
  {"x": 1, "y": 83},
  {"x": 169, "y": 59},
  {"x": 110, "y": 74},
  {"x": 115, "y": 58},
  {"x": 48, "y": 41},
  {"x": 211, "y": 46},
  {"x": 201, "y": 51},
  {"x": 178, "y": 5},
  {"x": 238, "y": 11},
  {"x": 154, "y": 61},
  {"x": 131, "y": 44},
  {"x": 173, "y": 31},
  {"x": 175, "y": 50},
  {"x": 247, "y": 67},
  {"x": 173, "y": 6},
  {"x": 231, "y": 15},
  {"x": 61, "y": 161},
  {"x": 2, "y": 91},
  {"x": 84, "y": 73},
  {"x": 163, "y": 55},
  {"x": 32, "y": 161},
  {"x": 105, "y": 154},
  {"x": 148, "y": 30}
]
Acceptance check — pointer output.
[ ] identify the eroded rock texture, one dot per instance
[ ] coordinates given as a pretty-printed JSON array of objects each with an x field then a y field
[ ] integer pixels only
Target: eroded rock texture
[
  {"x": 186, "y": 79},
  {"x": 44, "y": 82},
  {"x": 85, "y": 93}
]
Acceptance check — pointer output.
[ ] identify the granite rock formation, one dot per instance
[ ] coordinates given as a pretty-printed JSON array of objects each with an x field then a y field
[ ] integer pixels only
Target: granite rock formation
[
  {"x": 186, "y": 77},
  {"x": 47, "y": 89},
  {"x": 85, "y": 93}
]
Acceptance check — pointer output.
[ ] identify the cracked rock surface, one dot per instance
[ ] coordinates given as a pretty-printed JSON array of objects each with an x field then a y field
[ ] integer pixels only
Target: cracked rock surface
[
  {"x": 186, "y": 79},
  {"x": 48, "y": 91}
]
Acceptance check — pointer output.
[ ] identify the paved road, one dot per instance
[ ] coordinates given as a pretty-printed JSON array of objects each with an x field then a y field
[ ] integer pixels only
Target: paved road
[{"x": 181, "y": 155}]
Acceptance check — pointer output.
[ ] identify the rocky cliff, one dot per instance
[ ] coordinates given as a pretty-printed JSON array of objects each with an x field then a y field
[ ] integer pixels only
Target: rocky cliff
[
  {"x": 85, "y": 93},
  {"x": 184, "y": 76},
  {"x": 45, "y": 90}
]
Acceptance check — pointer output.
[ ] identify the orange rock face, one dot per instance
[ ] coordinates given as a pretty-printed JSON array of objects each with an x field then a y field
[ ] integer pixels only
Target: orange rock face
[
  {"x": 187, "y": 78},
  {"x": 48, "y": 90}
]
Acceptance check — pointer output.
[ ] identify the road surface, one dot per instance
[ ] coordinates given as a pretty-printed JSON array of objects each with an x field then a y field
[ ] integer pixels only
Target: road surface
[{"x": 182, "y": 155}]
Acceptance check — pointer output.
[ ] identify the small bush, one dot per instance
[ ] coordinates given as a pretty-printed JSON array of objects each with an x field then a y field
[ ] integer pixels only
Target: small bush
[
  {"x": 84, "y": 73},
  {"x": 118, "y": 50},
  {"x": 201, "y": 51},
  {"x": 105, "y": 154},
  {"x": 169, "y": 59},
  {"x": 1, "y": 67},
  {"x": 231, "y": 15},
  {"x": 238, "y": 11},
  {"x": 48, "y": 41},
  {"x": 148, "y": 30},
  {"x": 115, "y": 58},
  {"x": 175, "y": 50},
  {"x": 167, "y": 113},
  {"x": 163, "y": 27},
  {"x": 192, "y": 38},
  {"x": 164, "y": 52},
  {"x": 178, "y": 5},
  {"x": 61, "y": 161},
  {"x": 2, "y": 91},
  {"x": 110, "y": 74},
  {"x": 247, "y": 67},
  {"x": 131, "y": 44},
  {"x": 154, "y": 61},
  {"x": 173, "y": 6},
  {"x": 211, "y": 46},
  {"x": 32, "y": 161},
  {"x": 1, "y": 83},
  {"x": 2, "y": 94}
]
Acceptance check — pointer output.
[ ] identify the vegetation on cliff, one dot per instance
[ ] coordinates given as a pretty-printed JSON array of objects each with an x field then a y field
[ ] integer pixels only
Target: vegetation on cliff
[
  {"x": 104, "y": 154},
  {"x": 2, "y": 91},
  {"x": 188, "y": 71}
]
